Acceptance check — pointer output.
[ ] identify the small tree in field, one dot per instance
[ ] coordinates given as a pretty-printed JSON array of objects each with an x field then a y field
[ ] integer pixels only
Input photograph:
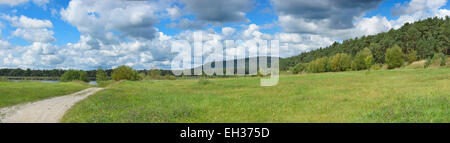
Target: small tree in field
[
  {"x": 125, "y": 73},
  {"x": 340, "y": 62},
  {"x": 359, "y": 62},
  {"x": 72, "y": 75},
  {"x": 154, "y": 73},
  {"x": 369, "y": 62},
  {"x": 394, "y": 57},
  {"x": 299, "y": 68},
  {"x": 101, "y": 75},
  {"x": 319, "y": 65}
]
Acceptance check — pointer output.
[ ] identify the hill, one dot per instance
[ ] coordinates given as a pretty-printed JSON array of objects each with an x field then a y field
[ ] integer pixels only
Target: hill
[{"x": 426, "y": 37}]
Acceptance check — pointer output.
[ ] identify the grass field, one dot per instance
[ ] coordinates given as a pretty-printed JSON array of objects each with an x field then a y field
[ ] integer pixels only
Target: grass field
[
  {"x": 406, "y": 95},
  {"x": 12, "y": 93}
]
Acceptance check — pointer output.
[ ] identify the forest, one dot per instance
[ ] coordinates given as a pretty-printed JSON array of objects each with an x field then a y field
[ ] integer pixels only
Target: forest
[{"x": 425, "y": 37}]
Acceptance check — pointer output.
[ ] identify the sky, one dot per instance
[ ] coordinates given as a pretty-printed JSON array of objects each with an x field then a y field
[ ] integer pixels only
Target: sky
[{"x": 87, "y": 34}]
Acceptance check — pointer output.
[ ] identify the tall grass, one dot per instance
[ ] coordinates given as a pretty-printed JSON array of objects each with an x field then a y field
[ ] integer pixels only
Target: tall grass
[
  {"x": 12, "y": 93},
  {"x": 400, "y": 95}
]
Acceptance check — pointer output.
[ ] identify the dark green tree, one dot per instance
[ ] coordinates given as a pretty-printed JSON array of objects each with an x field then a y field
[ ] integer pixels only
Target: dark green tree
[{"x": 101, "y": 75}]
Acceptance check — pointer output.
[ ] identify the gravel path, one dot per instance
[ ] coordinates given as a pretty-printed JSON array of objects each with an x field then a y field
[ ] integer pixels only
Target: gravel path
[{"x": 44, "y": 111}]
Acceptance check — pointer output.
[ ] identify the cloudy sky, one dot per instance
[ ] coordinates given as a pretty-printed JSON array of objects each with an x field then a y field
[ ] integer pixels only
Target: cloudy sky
[{"x": 85, "y": 34}]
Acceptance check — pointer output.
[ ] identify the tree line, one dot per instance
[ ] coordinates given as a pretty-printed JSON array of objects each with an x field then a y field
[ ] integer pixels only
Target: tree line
[
  {"x": 60, "y": 72},
  {"x": 364, "y": 60}
]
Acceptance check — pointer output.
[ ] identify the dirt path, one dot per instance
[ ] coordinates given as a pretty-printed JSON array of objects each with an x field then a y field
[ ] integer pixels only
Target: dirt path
[{"x": 44, "y": 111}]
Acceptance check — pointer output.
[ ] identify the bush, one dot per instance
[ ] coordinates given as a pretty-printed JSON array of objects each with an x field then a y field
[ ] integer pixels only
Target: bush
[
  {"x": 394, "y": 57},
  {"x": 319, "y": 65},
  {"x": 440, "y": 58},
  {"x": 412, "y": 56},
  {"x": 376, "y": 66},
  {"x": 72, "y": 75},
  {"x": 340, "y": 62},
  {"x": 125, "y": 73},
  {"x": 299, "y": 68},
  {"x": 359, "y": 62},
  {"x": 170, "y": 77}
]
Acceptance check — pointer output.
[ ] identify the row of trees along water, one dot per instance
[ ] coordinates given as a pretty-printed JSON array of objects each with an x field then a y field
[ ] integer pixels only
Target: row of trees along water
[{"x": 88, "y": 74}]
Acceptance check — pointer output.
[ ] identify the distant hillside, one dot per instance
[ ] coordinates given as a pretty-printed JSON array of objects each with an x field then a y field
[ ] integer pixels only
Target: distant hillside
[
  {"x": 245, "y": 66},
  {"x": 426, "y": 37}
]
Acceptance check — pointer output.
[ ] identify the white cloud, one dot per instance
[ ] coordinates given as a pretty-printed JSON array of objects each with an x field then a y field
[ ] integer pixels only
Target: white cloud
[
  {"x": 34, "y": 35},
  {"x": 26, "y": 22},
  {"x": 134, "y": 19},
  {"x": 420, "y": 15},
  {"x": 4, "y": 44},
  {"x": 298, "y": 43},
  {"x": 174, "y": 12},
  {"x": 13, "y": 2},
  {"x": 37, "y": 55},
  {"x": 415, "y": 6},
  {"x": 228, "y": 31},
  {"x": 363, "y": 26},
  {"x": 30, "y": 29},
  {"x": 42, "y": 48},
  {"x": 20, "y": 2}
]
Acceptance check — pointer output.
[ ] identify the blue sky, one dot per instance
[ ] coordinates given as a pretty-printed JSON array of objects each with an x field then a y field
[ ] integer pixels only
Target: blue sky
[{"x": 84, "y": 35}]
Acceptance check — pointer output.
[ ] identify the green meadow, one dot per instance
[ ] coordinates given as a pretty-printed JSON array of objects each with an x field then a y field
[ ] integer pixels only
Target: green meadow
[
  {"x": 12, "y": 93},
  {"x": 401, "y": 95}
]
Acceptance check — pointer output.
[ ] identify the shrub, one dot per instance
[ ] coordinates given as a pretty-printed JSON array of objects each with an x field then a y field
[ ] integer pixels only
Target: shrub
[
  {"x": 440, "y": 58},
  {"x": 427, "y": 63},
  {"x": 394, "y": 57},
  {"x": 376, "y": 66},
  {"x": 124, "y": 73},
  {"x": 359, "y": 62},
  {"x": 299, "y": 68},
  {"x": 412, "y": 56},
  {"x": 340, "y": 62},
  {"x": 318, "y": 65},
  {"x": 72, "y": 75}
]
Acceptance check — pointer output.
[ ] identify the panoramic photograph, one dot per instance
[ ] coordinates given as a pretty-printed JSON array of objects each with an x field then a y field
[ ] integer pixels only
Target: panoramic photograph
[{"x": 233, "y": 61}]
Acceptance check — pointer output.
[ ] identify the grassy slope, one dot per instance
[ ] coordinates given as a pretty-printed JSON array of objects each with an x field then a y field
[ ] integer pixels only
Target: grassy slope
[
  {"x": 406, "y": 95},
  {"x": 12, "y": 93}
]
